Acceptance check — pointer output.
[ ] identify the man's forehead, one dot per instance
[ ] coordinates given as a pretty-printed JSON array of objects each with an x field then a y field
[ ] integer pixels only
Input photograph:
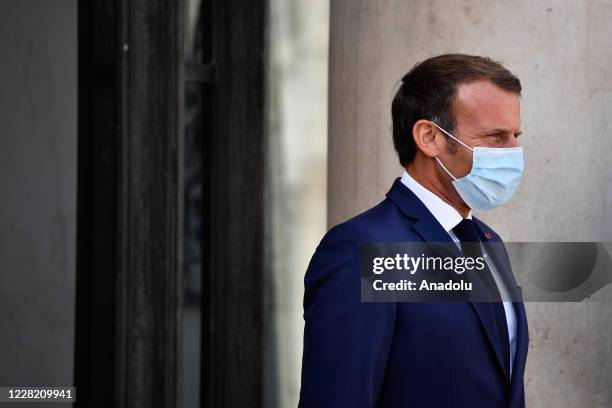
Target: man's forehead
[{"x": 484, "y": 105}]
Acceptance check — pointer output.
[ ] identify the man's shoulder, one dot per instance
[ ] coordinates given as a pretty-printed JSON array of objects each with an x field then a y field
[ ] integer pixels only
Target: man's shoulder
[
  {"x": 382, "y": 223},
  {"x": 336, "y": 258}
]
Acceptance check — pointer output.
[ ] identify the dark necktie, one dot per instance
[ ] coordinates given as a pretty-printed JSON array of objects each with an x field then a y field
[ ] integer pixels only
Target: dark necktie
[{"x": 470, "y": 245}]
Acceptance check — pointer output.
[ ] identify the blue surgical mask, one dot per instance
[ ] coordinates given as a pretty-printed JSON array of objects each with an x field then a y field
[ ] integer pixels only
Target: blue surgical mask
[{"x": 495, "y": 176}]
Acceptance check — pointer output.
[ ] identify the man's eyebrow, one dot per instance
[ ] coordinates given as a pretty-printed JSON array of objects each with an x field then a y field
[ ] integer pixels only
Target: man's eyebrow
[{"x": 498, "y": 131}]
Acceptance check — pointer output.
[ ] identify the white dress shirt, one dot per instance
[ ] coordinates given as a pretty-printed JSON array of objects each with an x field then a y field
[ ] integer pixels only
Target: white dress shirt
[{"x": 449, "y": 217}]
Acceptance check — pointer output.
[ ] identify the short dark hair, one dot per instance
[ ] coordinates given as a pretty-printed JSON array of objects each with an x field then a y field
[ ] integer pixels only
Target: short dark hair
[{"x": 428, "y": 90}]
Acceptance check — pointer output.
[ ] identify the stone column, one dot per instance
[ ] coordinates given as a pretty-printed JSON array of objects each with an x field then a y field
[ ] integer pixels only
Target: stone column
[{"x": 561, "y": 51}]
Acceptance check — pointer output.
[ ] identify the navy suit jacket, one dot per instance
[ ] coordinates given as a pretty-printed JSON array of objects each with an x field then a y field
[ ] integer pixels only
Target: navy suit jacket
[{"x": 427, "y": 354}]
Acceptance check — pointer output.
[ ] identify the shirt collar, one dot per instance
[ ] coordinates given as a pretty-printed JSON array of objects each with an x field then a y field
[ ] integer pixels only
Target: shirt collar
[{"x": 443, "y": 212}]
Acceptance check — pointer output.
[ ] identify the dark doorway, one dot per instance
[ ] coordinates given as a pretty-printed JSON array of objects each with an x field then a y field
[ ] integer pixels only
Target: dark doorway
[{"x": 136, "y": 81}]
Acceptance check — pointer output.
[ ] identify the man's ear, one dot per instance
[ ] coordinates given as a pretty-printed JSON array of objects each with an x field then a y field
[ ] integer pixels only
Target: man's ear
[{"x": 424, "y": 133}]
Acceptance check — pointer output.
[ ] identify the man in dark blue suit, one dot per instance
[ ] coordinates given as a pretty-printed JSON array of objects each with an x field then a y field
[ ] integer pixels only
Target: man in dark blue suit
[{"x": 456, "y": 119}]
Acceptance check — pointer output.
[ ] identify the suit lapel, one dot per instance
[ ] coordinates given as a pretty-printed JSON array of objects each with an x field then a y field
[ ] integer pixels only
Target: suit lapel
[
  {"x": 495, "y": 248},
  {"x": 425, "y": 223},
  {"x": 500, "y": 258},
  {"x": 484, "y": 311},
  {"x": 520, "y": 358},
  {"x": 430, "y": 230}
]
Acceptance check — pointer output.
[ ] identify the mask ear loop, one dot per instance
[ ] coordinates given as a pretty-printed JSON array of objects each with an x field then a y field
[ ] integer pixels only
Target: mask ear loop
[
  {"x": 445, "y": 169},
  {"x": 459, "y": 141},
  {"x": 448, "y": 134}
]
